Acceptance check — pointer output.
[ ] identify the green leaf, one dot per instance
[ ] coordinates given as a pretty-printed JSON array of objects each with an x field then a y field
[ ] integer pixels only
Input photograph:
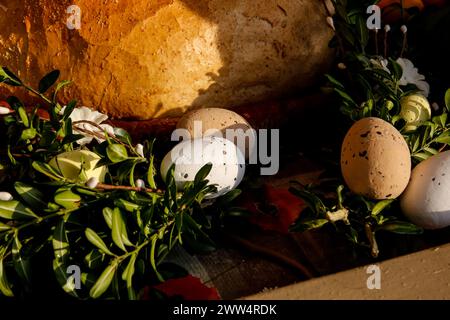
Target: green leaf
[
  {"x": 127, "y": 276},
  {"x": 11, "y": 157},
  {"x": 28, "y": 134},
  {"x": 416, "y": 144},
  {"x": 447, "y": 100},
  {"x": 65, "y": 280},
  {"x": 67, "y": 199},
  {"x": 151, "y": 173},
  {"x": 47, "y": 170},
  {"x": 122, "y": 135},
  {"x": 311, "y": 200},
  {"x": 362, "y": 31},
  {"x": 345, "y": 96},
  {"x": 5, "y": 288},
  {"x": 340, "y": 196},
  {"x": 119, "y": 231},
  {"x": 335, "y": 82},
  {"x": 69, "y": 109},
  {"x": 443, "y": 120},
  {"x": 107, "y": 215},
  {"x": 383, "y": 74},
  {"x": 32, "y": 196},
  {"x": 21, "y": 264},
  {"x": 431, "y": 150},
  {"x": 8, "y": 77},
  {"x": 203, "y": 173},
  {"x": 60, "y": 241},
  {"x": 443, "y": 138},
  {"x": 14, "y": 210},
  {"x": 381, "y": 205},
  {"x": 195, "y": 237},
  {"x": 88, "y": 279},
  {"x": 127, "y": 205},
  {"x": 23, "y": 116},
  {"x": 401, "y": 227},
  {"x": 94, "y": 259},
  {"x": 4, "y": 227},
  {"x": 95, "y": 239},
  {"x": 152, "y": 258},
  {"x": 59, "y": 86},
  {"x": 116, "y": 153},
  {"x": 229, "y": 197},
  {"x": 421, "y": 156},
  {"x": 302, "y": 226},
  {"x": 396, "y": 69},
  {"x": 104, "y": 281},
  {"x": 48, "y": 80}
]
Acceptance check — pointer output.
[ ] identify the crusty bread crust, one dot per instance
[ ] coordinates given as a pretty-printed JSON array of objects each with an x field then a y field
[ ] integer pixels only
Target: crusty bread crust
[{"x": 144, "y": 59}]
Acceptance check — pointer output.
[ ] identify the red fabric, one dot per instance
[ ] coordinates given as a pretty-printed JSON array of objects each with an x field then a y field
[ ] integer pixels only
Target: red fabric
[
  {"x": 189, "y": 288},
  {"x": 275, "y": 209}
]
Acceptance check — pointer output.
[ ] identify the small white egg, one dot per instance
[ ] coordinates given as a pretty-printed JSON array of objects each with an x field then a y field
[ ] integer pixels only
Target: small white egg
[{"x": 191, "y": 155}]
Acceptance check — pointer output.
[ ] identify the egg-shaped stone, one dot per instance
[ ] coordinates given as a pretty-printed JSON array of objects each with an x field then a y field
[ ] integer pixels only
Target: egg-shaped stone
[
  {"x": 228, "y": 163},
  {"x": 375, "y": 159},
  {"x": 426, "y": 200},
  {"x": 220, "y": 122}
]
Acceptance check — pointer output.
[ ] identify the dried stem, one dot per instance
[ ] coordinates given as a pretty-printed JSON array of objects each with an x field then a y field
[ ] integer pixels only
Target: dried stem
[
  {"x": 376, "y": 41},
  {"x": 97, "y": 134},
  {"x": 385, "y": 44},
  {"x": 373, "y": 242},
  {"x": 103, "y": 186}
]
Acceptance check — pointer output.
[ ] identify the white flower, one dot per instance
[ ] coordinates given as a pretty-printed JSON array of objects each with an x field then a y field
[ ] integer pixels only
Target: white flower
[
  {"x": 87, "y": 114},
  {"x": 4, "y": 110},
  {"x": 412, "y": 76},
  {"x": 5, "y": 196},
  {"x": 140, "y": 150}
]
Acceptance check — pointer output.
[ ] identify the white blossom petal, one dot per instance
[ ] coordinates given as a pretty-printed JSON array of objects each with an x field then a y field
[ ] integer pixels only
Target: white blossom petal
[
  {"x": 424, "y": 87},
  {"x": 85, "y": 140},
  {"x": 4, "y": 110},
  {"x": 87, "y": 114},
  {"x": 411, "y": 75}
]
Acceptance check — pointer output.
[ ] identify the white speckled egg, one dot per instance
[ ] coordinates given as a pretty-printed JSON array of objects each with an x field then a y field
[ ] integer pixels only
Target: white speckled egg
[
  {"x": 375, "y": 159},
  {"x": 220, "y": 120},
  {"x": 426, "y": 200},
  {"x": 191, "y": 155}
]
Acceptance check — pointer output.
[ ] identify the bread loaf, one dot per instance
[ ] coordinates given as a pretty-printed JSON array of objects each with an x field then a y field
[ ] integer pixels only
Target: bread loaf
[{"x": 143, "y": 59}]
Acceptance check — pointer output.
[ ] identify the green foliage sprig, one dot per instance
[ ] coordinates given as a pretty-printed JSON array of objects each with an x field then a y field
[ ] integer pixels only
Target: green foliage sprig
[
  {"x": 364, "y": 87},
  {"x": 117, "y": 232}
]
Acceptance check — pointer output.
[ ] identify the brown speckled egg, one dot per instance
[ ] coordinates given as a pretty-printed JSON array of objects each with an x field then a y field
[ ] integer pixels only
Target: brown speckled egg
[
  {"x": 220, "y": 119},
  {"x": 375, "y": 159}
]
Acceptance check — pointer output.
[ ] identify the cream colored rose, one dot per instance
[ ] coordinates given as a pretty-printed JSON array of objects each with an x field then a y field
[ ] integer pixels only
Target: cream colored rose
[{"x": 79, "y": 165}]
